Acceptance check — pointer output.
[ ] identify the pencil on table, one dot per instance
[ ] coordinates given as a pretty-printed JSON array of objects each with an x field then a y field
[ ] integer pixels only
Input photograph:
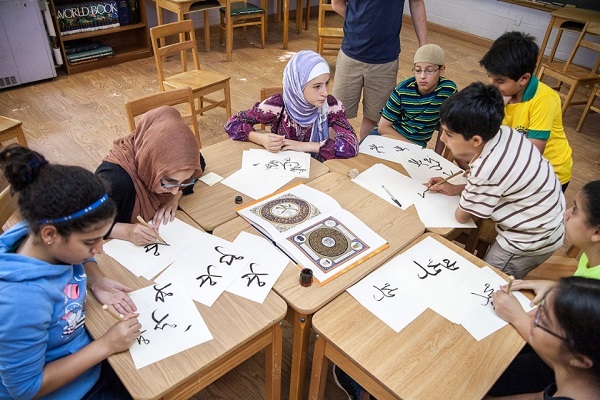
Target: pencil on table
[
  {"x": 113, "y": 312},
  {"x": 143, "y": 222},
  {"x": 511, "y": 279}
]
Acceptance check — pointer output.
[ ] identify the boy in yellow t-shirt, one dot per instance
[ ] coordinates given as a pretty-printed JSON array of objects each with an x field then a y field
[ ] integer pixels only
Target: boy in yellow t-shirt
[{"x": 531, "y": 107}]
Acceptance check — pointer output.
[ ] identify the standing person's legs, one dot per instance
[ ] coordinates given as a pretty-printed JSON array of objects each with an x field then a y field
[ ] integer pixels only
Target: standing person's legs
[
  {"x": 379, "y": 81},
  {"x": 513, "y": 264},
  {"x": 348, "y": 83}
]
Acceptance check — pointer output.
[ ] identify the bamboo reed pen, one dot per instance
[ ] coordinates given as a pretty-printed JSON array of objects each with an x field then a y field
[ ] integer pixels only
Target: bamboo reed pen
[
  {"x": 143, "y": 222},
  {"x": 511, "y": 279},
  {"x": 445, "y": 179},
  {"x": 113, "y": 312}
]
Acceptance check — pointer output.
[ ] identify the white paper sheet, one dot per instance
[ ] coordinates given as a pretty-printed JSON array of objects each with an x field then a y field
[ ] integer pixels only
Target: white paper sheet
[
  {"x": 435, "y": 210},
  {"x": 149, "y": 260},
  {"x": 480, "y": 318},
  {"x": 255, "y": 186},
  {"x": 211, "y": 178},
  {"x": 385, "y": 148},
  {"x": 381, "y": 293},
  {"x": 170, "y": 322},
  {"x": 288, "y": 163},
  {"x": 265, "y": 264},
  {"x": 207, "y": 268},
  {"x": 424, "y": 164}
]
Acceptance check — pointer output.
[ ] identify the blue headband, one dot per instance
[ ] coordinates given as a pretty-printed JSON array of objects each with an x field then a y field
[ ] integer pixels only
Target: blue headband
[{"x": 77, "y": 214}]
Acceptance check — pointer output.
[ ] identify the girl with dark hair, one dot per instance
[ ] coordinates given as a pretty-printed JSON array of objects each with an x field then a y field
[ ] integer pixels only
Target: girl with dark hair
[
  {"x": 565, "y": 333},
  {"x": 46, "y": 264}
]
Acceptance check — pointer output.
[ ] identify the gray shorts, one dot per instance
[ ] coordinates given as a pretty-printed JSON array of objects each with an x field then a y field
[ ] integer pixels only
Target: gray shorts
[
  {"x": 513, "y": 264},
  {"x": 374, "y": 81}
]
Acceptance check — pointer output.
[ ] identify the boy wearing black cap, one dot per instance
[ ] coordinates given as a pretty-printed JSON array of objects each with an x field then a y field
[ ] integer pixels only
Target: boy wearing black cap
[{"x": 412, "y": 111}]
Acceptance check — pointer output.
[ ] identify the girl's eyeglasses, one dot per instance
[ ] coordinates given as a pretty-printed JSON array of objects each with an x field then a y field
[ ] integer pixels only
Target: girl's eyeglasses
[
  {"x": 536, "y": 321},
  {"x": 165, "y": 185}
]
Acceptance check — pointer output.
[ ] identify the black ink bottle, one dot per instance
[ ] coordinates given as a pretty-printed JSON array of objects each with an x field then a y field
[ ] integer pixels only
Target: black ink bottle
[{"x": 306, "y": 277}]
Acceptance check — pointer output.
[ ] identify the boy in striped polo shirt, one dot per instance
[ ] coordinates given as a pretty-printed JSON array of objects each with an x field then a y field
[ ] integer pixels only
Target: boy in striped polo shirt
[
  {"x": 413, "y": 110},
  {"x": 508, "y": 181}
]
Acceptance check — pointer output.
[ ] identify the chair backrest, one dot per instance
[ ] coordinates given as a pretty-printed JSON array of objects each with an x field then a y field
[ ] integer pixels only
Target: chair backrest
[
  {"x": 267, "y": 92},
  {"x": 181, "y": 38},
  {"x": 329, "y": 38},
  {"x": 584, "y": 42},
  {"x": 141, "y": 105},
  {"x": 8, "y": 206}
]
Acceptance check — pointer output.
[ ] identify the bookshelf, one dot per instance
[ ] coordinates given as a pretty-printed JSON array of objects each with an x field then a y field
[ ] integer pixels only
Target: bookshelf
[{"x": 129, "y": 42}]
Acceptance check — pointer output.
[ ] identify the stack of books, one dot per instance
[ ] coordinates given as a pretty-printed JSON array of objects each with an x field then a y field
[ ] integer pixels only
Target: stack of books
[
  {"x": 87, "y": 16},
  {"x": 84, "y": 51}
]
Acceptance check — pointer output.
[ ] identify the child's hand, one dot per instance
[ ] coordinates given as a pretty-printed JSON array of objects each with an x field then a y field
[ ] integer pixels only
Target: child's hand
[
  {"x": 305, "y": 147},
  {"x": 272, "y": 142},
  {"x": 539, "y": 287},
  {"x": 437, "y": 184},
  {"x": 122, "y": 334},
  {"x": 507, "y": 306}
]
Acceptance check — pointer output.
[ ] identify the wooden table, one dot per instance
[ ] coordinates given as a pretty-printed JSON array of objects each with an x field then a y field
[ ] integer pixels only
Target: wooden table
[
  {"x": 396, "y": 226},
  {"x": 182, "y": 7},
  {"x": 566, "y": 18},
  {"x": 363, "y": 162},
  {"x": 211, "y": 206},
  {"x": 431, "y": 358},
  {"x": 240, "y": 327}
]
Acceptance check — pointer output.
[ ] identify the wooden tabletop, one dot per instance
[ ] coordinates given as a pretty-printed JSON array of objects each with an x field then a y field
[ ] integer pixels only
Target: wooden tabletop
[
  {"x": 362, "y": 162},
  {"x": 232, "y": 320},
  {"x": 430, "y": 358},
  {"x": 396, "y": 226},
  {"x": 211, "y": 206}
]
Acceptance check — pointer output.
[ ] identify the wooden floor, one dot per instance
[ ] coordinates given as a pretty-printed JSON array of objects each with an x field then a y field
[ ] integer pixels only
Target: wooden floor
[{"x": 74, "y": 120}]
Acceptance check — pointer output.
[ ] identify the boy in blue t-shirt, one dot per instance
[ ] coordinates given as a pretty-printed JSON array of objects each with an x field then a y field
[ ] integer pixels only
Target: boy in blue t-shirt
[{"x": 412, "y": 111}]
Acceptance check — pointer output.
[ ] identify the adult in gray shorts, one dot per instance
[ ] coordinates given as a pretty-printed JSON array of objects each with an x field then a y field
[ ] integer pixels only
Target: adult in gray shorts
[{"x": 367, "y": 64}]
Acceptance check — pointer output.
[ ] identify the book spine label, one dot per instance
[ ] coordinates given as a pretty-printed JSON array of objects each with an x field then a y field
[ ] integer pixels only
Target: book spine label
[{"x": 82, "y": 17}]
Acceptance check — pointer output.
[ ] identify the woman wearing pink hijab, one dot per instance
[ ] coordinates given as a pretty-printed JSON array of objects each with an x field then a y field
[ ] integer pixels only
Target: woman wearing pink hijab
[{"x": 302, "y": 117}]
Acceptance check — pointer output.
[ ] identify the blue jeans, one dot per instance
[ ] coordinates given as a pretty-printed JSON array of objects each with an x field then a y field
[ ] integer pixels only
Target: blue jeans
[{"x": 108, "y": 387}]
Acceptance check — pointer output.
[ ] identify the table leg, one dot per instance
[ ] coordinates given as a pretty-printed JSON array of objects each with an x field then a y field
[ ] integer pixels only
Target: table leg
[
  {"x": 299, "y": 16},
  {"x": 273, "y": 365},
  {"x": 302, "y": 324},
  {"x": 286, "y": 22},
  {"x": 318, "y": 374}
]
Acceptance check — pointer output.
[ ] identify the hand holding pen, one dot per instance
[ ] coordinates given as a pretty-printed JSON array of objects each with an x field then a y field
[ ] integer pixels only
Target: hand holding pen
[{"x": 441, "y": 185}]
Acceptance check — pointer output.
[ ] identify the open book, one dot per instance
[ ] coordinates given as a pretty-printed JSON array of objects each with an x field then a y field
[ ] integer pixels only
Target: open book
[{"x": 313, "y": 230}]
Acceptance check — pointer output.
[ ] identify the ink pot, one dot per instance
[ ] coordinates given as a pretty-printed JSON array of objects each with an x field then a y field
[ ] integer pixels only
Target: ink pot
[
  {"x": 238, "y": 200},
  {"x": 306, "y": 277}
]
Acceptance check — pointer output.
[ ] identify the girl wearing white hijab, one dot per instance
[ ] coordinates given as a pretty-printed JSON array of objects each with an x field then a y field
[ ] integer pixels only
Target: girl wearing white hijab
[{"x": 301, "y": 116}]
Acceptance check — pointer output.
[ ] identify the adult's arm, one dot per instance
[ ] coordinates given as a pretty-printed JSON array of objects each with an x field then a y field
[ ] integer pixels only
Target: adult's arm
[
  {"x": 339, "y": 6},
  {"x": 419, "y": 19}
]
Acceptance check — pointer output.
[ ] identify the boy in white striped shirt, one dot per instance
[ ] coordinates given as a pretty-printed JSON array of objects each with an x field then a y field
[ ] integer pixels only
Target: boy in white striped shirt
[{"x": 508, "y": 181}]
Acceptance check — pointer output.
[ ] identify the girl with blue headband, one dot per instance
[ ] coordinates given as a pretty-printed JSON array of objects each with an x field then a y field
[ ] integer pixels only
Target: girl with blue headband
[
  {"x": 46, "y": 267},
  {"x": 302, "y": 116}
]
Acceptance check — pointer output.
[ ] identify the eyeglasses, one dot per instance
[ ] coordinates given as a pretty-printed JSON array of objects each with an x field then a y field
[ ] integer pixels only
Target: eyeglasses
[
  {"x": 536, "y": 321},
  {"x": 189, "y": 182},
  {"x": 428, "y": 71}
]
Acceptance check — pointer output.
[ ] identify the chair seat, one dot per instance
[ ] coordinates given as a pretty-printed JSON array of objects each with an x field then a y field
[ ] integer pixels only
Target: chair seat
[
  {"x": 239, "y": 9},
  {"x": 195, "y": 79},
  {"x": 573, "y": 71},
  {"x": 204, "y": 5}
]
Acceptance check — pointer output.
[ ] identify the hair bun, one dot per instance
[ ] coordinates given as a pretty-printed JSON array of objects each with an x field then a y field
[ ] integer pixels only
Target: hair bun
[{"x": 21, "y": 165}]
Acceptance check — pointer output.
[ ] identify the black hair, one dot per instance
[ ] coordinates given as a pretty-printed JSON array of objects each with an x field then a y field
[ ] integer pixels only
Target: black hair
[
  {"x": 49, "y": 191},
  {"x": 577, "y": 309},
  {"x": 477, "y": 109},
  {"x": 591, "y": 194},
  {"x": 513, "y": 55}
]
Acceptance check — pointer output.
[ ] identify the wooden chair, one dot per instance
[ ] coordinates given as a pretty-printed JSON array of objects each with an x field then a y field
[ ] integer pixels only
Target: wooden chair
[
  {"x": 241, "y": 14},
  {"x": 589, "y": 107},
  {"x": 573, "y": 75},
  {"x": 267, "y": 92},
  {"x": 329, "y": 38},
  {"x": 12, "y": 129},
  {"x": 144, "y": 104},
  {"x": 8, "y": 206},
  {"x": 202, "y": 82}
]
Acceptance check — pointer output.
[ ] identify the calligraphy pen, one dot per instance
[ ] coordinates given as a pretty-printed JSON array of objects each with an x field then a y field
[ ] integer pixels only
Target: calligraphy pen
[
  {"x": 161, "y": 240},
  {"x": 392, "y": 196},
  {"x": 511, "y": 279},
  {"x": 445, "y": 180},
  {"x": 113, "y": 312}
]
